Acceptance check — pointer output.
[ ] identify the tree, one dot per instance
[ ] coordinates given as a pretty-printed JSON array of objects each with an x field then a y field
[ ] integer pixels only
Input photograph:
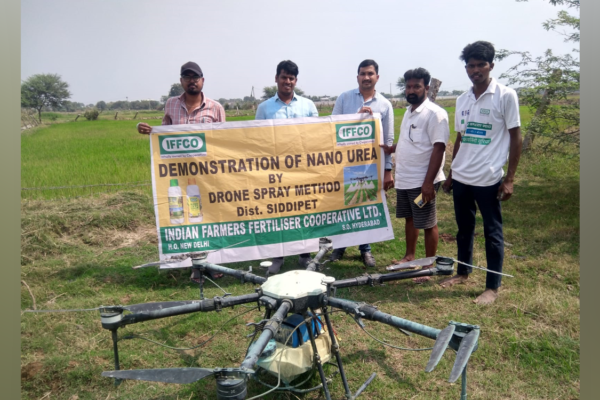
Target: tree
[
  {"x": 44, "y": 90},
  {"x": 176, "y": 90},
  {"x": 119, "y": 105},
  {"x": 101, "y": 105},
  {"x": 71, "y": 106},
  {"x": 268, "y": 92},
  {"x": 546, "y": 82},
  {"x": 457, "y": 92},
  {"x": 400, "y": 85}
]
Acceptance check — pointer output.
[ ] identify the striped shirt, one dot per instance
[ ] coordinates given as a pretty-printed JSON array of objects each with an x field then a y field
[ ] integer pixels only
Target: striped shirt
[{"x": 176, "y": 112}]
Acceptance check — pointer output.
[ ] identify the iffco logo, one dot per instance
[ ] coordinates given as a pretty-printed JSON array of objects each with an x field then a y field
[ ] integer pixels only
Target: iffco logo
[
  {"x": 357, "y": 132},
  {"x": 175, "y": 146}
]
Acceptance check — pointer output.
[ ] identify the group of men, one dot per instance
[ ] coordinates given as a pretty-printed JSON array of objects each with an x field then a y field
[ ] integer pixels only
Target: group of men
[{"x": 487, "y": 124}]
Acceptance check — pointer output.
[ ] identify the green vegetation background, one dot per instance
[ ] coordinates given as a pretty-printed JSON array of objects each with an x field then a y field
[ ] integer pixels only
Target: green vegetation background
[{"x": 77, "y": 252}]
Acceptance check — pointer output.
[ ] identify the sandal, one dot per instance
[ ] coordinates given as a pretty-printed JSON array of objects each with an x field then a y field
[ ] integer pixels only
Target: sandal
[
  {"x": 423, "y": 279},
  {"x": 215, "y": 275}
]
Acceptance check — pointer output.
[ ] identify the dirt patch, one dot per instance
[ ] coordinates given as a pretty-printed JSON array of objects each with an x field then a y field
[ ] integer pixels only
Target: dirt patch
[
  {"x": 29, "y": 371},
  {"x": 447, "y": 238},
  {"x": 72, "y": 365},
  {"x": 99, "y": 361},
  {"x": 125, "y": 299}
]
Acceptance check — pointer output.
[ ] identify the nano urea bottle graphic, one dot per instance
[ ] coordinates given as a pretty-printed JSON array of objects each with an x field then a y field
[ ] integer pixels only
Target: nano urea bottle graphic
[
  {"x": 175, "y": 203},
  {"x": 194, "y": 201}
]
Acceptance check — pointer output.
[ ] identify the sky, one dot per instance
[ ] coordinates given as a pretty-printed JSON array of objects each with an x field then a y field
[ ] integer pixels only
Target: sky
[{"x": 132, "y": 50}]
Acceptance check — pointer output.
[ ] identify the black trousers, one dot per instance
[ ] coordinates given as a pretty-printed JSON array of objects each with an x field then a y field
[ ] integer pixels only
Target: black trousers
[{"x": 486, "y": 198}]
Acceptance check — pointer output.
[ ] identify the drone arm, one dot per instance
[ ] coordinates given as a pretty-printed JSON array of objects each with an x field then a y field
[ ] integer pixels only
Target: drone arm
[
  {"x": 267, "y": 334},
  {"x": 246, "y": 276},
  {"x": 201, "y": 306},
  {"x": 381, "y": 278},
  {"x": 324, "y": 247},
  {"x": 371, "y": 313}
]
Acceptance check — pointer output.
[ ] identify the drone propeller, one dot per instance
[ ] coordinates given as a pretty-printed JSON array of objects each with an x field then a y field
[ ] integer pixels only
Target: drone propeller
[
  {"x": 421, "y": 262},
  {"x": 134, "y": 308},
  {"x": 481, "y": 268},
  {"x": 467, "y": 346},
  {"x": 439, "y": 347},
  {"x": 165, "y": 375},
  {"x": 182, "y": 257},
  {"x": 178, "y": 375},
  {"x": 161, "y": 305}
]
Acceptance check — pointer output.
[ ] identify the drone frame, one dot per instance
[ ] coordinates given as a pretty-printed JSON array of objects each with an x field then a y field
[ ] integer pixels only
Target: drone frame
[{"x": 231, "y": 382}]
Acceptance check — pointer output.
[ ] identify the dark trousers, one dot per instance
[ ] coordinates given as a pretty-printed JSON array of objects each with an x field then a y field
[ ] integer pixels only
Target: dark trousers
[
  {"x": 363, "y": 248},
  {"x": 486, "y": 198}
]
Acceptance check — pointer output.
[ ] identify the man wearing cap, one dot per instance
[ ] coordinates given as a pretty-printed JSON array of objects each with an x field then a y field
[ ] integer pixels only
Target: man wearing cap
[
  {"x": 286, "y": 104},
  {"x": 192, "y": 107},
  {"x": 365, "y": 99}
]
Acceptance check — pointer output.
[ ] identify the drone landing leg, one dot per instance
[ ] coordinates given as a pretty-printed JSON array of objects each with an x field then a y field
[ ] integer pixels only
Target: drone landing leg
[
  {"x": 201, "y": 284},
  {"x": 335, "y": 349},
  {"x": 463, "y": 381},
  {"x": 116, "y": 351},
  {"x": 317, "y": 359}
]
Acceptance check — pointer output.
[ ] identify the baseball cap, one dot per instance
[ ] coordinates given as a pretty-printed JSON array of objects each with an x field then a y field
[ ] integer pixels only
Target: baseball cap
[{"x": 191, "y": 66}]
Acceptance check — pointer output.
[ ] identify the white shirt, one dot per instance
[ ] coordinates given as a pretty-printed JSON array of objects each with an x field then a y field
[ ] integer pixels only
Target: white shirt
[
  {"x": 351, "y": 101},
  {"x": 485, "y": 141},
  {"x": 420, "y": 129}
]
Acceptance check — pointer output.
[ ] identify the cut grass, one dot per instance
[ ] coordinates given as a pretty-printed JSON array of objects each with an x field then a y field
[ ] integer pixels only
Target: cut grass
[{"x": 78, "y": 253}]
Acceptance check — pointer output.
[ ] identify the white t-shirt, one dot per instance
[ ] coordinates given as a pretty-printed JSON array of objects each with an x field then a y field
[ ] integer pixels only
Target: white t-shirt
[
  {"x": 420, "y": 129},
  {"x": 485, "y": 141}
]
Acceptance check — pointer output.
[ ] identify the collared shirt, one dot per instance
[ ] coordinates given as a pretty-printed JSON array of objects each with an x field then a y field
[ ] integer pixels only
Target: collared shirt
[
  {"x": 176, "y": 112},
  {"x": 485, "y": 140},
  {"x": 351, "y": 101},
  {"x": 419, "y": 131},
  {"x": 275, "y": 108}
]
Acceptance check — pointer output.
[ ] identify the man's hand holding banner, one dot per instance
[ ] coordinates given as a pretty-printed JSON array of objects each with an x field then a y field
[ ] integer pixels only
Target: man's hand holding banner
[{"x": 275, "y": 185}]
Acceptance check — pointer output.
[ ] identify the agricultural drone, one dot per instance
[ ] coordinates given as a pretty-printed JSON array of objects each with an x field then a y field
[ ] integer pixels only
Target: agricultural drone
[
  {"x": 361, "y": 179},
  {"x": 297, "y": 320}
]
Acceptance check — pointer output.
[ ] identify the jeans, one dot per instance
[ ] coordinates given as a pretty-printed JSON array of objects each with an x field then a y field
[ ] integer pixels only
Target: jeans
[{"x": 486, "y": 197}]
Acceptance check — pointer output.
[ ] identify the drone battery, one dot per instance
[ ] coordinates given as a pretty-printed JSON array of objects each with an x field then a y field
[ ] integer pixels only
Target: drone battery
[{"x": 300, "y": 336}]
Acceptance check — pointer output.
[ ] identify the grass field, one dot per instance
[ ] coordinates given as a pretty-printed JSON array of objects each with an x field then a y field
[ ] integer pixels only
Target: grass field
[
  {"x": 88, "y": 153},
  {"x": 78, "y": 253}
]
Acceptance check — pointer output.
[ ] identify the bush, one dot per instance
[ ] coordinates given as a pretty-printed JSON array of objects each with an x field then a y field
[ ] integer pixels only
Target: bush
[
  {"x": 51, "y": 116},
  {"x": 91, "y": 115}
]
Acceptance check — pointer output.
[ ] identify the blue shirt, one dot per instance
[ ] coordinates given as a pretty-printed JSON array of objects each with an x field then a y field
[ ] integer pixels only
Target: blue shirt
[
  {"x": 351, "y": 101},
  {"x": 275, "y": 108}
]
